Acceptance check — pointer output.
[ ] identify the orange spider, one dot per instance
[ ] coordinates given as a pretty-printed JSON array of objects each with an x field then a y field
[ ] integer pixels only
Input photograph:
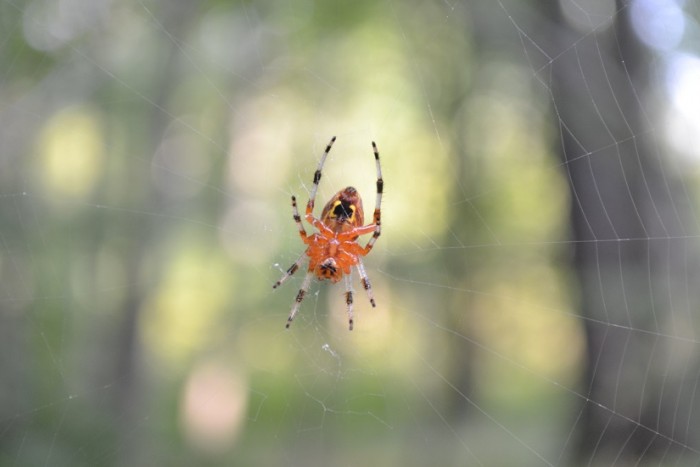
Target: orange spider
[{"x": 334, "y": 250}]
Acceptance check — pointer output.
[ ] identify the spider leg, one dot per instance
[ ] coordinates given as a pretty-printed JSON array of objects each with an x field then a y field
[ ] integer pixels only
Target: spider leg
[
  {"x": 380, "y": 187},
  {"x": 304, "y": 236},
  {"x": 376, "y": 227},
  {"x": 297, "y": 219},
  {"x": 348, "y": 299},
  {"x": 317, "y": 179},
  {"x": 378, "y": 205},
  {"x": 292, "y": 269},
  {"x": 365, "y": 281},
  {"x": 300, "y": 296}
]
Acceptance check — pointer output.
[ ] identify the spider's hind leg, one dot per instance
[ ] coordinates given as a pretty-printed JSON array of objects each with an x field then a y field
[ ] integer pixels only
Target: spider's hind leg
[{"x": 317, "y": 177}]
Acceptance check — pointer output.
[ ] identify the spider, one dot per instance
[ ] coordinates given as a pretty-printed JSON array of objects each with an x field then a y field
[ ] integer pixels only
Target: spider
[{"x": 334, "y": 250}]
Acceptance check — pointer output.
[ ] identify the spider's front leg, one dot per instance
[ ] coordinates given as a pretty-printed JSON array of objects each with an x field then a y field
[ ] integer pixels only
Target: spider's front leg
[
  {"x": 348, "y": 299},
  {"x": 365, "y": 281},
  {"x": 300, "y": 296},
  {"x": 290, "y": 272}
]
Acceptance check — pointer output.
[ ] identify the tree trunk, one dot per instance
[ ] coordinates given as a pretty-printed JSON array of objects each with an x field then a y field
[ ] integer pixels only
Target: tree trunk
[{"x": 633, "y": 235}]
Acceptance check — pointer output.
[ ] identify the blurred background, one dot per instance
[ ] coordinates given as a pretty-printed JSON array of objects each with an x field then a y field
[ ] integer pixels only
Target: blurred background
[{"x": 536, "y": 277}]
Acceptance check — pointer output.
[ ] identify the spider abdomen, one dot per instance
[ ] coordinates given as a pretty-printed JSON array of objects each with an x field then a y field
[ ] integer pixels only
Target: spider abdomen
[{"x": 344, "y": 211}]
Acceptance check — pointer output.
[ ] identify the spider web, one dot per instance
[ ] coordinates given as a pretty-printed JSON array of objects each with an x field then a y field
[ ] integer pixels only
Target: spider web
[{"x": 150, "y": 150}]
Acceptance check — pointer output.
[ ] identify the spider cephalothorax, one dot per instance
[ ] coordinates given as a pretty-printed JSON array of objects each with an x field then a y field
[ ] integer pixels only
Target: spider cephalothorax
[
  {"x": 329, "y": 269},
  {"x": 333, "y": 251}
]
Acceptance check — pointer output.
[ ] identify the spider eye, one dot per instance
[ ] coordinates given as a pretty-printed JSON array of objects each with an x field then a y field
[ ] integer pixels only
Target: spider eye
[{"x": 343, "y": 210}]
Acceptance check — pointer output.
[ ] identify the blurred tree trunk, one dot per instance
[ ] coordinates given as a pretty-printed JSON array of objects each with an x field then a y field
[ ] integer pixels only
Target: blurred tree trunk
[
  {"x": 130, "y": 378},
  {"x": 634, "y": 234}
]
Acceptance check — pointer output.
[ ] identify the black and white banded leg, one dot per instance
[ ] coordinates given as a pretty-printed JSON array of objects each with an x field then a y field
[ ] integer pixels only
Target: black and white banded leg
[
  {"x": 380, "y": 185},
  {"x": 290, "y": 272},
  {"x": 300, "y": 296},
  {"x": 377, "y": 218},
  {"x": 297, "y": 219},
  {"x": 302, "y": 232},
  {"x": 349, "y": 299},
  {"x": 365, "y": 281},
  {"x": 317, "y": 177}
]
